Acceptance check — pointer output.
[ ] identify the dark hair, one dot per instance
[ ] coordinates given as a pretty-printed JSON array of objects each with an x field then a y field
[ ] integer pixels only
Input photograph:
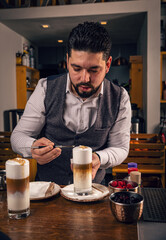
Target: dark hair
[{"x": 90, "y": 36}]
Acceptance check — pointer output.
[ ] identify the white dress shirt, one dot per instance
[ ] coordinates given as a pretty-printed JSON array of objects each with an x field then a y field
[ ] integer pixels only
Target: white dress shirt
[{"x": 78, "y": 116}]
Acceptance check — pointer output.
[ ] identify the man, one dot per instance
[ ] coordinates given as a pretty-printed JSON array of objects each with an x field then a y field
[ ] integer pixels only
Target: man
[{"x": 78, "y": 108}]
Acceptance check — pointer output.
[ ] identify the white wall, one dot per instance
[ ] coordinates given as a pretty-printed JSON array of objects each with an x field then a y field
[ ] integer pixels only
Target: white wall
[{"x": 10, "y": 43}]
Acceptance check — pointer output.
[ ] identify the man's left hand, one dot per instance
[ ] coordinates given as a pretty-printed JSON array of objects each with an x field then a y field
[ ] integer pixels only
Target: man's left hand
[{"x": 95, "y": 164}]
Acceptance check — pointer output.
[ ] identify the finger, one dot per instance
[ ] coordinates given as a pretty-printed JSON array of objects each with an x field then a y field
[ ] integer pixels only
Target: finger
[
  {"x": 47, "y": 157},
  {"x": 95, "y": 162},
  {"x": 94, "y": 171},
  {"x": 51, "y": 154},
  {"x": 43, "y": 141},
  {"x": 42, "y": 151},
  {"x": 55, "y": 153},
  {"x": 96, "y": 167}
]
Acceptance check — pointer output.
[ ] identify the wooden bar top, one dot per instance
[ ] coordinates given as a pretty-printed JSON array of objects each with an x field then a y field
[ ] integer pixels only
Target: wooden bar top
[{"x": 58, "y": 218}]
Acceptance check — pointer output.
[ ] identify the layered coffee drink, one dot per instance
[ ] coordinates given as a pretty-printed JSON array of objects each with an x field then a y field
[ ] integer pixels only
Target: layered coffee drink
[
  {"x": 82, "y": 170},
  {"x": 17, "y": 179}
]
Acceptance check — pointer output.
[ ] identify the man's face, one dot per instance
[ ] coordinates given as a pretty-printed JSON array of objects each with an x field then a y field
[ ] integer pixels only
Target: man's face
[{"x": 87, "y": 71}]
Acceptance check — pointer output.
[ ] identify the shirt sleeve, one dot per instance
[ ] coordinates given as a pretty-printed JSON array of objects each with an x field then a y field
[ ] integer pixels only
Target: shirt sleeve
[
  {"x": 119, "y": 136},
  {"x": 31, "y": 122}
]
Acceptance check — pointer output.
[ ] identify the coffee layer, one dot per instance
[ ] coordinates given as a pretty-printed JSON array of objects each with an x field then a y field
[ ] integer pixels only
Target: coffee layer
[
  {"x": 82, "y": 176},
  {"x": 17, "y": 185},
  {"x": 82, "y": 167}
]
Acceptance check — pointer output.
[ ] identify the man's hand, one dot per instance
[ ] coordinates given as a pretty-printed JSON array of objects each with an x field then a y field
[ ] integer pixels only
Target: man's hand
[
  {"x": 46, "y": 154},
  {"x": 95, "y": 164}
]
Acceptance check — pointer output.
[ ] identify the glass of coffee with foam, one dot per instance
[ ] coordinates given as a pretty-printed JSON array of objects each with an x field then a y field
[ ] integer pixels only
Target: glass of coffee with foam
[
  {"x": 17, "y": 179},
  {"x": 82, "y": 170}
]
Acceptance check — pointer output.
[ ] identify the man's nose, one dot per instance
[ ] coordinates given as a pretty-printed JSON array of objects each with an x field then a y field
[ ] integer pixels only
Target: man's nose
[{"x": 85, "y": 76}]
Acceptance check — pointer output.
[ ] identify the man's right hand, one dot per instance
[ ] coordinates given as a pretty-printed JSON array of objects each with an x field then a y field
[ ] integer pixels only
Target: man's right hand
[{"x": 46, "y": 154}]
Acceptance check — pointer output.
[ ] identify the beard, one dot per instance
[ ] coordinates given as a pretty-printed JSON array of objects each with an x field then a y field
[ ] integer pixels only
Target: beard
[{"x": 85, "y": 94}]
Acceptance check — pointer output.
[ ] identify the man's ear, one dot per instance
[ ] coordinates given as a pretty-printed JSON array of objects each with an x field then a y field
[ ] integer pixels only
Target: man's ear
[{"x": 108, "y": 64}]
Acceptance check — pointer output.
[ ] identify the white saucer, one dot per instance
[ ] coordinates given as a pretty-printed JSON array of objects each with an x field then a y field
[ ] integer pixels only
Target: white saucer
[
  {"x": 38, "y": 186},
  {"x": 99, "y": 192}
]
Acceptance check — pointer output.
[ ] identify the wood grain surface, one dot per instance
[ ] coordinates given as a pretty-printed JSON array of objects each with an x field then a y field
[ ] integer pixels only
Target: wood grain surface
[{"x": 57, "y": 218}]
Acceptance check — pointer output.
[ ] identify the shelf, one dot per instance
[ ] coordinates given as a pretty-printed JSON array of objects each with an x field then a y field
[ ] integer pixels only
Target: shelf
[
  {"x": 23, "y": 93},
  {"x": 163, "y": 53},
  {"x": 162, "y": 101},
  {"x": 27, "y": 68},
  {"x": 136, "y": 80},
  {"x": 30, "y": 89}
]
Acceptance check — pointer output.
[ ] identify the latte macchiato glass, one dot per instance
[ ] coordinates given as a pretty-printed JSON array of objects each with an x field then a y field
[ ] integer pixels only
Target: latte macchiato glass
[
  {"x": 82, "y": 170},
  {"x": 17, "y": 179}
]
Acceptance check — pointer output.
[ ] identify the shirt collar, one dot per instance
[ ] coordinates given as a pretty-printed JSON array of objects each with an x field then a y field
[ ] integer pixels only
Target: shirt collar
[{"x": 69, "y": 84}]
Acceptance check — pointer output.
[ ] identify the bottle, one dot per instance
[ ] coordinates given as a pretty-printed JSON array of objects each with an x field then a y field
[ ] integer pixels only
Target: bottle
[
  {"x": 135, "y": 125},
  {"x": 31, "y": 51},
  {"x": 27, "y": 59},
  {"x": 32, "y": 62},
  {"x": 137, "y": 121},
  {"x": 32, "y": 57},
  {"x": 28, "y": 82},
  {"x": 162, "y": 36},
  {"x": 136, "y": 177},
  {"x": 24, "y": 59},
  {"x": 18, "y": 58},
  {"x": 132, "y": 166},
  {"x": 134, "y": 119}
]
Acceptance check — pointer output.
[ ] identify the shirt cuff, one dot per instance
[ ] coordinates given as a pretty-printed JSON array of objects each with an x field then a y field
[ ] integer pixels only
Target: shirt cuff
[
  {"x": 103, "y": 158},
  {"x": 27, "y": 150}
]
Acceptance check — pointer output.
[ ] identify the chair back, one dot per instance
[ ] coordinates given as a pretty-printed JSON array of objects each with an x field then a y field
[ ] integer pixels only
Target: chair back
[
  {"x": 148, "y": 152},
  {"x": 6, "y": 151}
]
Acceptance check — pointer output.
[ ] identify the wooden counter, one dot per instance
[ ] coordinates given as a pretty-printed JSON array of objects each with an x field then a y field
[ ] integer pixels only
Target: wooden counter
[{"x": 57, "y": 218}]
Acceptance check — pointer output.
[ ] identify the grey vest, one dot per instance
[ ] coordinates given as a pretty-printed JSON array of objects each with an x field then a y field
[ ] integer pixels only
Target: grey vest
[{"x": 95, "y": 137}]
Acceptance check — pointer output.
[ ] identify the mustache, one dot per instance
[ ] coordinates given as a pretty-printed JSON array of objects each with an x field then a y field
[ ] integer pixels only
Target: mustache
[{"x": 85, "y": 84}]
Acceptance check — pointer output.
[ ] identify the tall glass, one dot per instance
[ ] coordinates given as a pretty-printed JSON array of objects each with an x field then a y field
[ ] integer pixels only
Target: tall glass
[
  {"x": 82, "y": 170},
  {"x": 17, "y": 179}
]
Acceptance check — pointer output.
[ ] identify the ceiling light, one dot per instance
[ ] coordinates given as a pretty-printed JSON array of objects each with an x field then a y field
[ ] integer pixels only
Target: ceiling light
[
  {"x": 103, "y": 23},
  {"x": 60, "y": 41},
  {"x": 45, "y": 26}
]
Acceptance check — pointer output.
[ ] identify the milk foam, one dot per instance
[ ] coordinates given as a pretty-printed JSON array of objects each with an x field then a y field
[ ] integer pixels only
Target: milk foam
[
  {"x": 17, "y": 168},
  {"x": 82, "y": 155}
]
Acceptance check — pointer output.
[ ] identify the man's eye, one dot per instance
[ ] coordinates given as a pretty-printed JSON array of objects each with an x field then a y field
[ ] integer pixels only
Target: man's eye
[
  {"x": 93, "y": 71},
  {"x": 76, "y": 69}
]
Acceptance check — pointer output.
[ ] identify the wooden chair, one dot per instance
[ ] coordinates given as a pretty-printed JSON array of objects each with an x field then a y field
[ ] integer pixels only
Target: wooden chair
[
  {"x": 6, "y": 153},
  {"x": 148, "y": 152}
]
